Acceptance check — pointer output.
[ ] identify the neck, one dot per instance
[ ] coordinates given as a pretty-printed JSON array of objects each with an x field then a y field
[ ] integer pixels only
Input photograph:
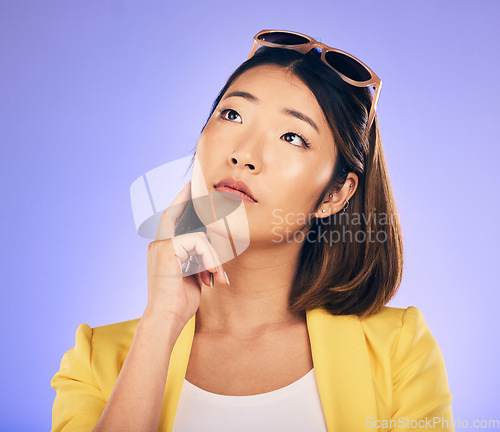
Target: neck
[{"x": 257, "y": 299}]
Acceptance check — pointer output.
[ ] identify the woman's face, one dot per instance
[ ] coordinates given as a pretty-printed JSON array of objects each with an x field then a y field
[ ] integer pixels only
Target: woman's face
[{"x": 275, "y": 139}]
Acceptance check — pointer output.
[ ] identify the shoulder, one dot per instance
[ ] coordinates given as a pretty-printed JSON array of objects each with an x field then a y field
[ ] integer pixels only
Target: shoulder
[
  {"x": 380, "y": 332},
  {"x": 393, "y": 318},
  {"x": 119, "y": 331},
  {"x": 383, "y": 328},
  {"x": 402, "y": 339},
  {"x": 401, "y": 333},
  {"x": 105, "y": 345},
  {"x": 102, "y": 351},
  {"x": 114, "y": 338}
]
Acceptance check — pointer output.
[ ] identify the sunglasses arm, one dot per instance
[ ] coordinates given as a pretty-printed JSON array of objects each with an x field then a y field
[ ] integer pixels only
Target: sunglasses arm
[
  {"x": 373, "y": 108},
  {"x": 254, "y": 48}
]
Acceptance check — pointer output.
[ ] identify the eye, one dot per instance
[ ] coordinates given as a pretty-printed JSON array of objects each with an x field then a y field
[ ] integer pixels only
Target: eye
[
  {"x": 223, "y": 113},
  {"x": 231, "y": 114},
  {"x": 305, "y": 142}
]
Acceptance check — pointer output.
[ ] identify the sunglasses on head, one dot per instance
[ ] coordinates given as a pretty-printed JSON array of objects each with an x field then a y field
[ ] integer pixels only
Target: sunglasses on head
[{"x": 349, "y": 68}]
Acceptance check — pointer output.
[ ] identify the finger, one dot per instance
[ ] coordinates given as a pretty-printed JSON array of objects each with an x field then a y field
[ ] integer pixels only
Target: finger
[
  {"x": 214, "y": 257},
  {"x": 195, "y": 244},
  {"x": 205, "y": 277},
  {"x": 168, "y": 219},
  {"x": 176, "y": 207},
  {"x": 219, "y": 273},
  {"x": 210, "y": 257}
]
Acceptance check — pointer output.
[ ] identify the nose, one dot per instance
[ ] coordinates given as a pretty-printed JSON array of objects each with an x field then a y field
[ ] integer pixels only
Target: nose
[
  {"x": 237, "y": 160},
  {"x": 246, "y": 158}
]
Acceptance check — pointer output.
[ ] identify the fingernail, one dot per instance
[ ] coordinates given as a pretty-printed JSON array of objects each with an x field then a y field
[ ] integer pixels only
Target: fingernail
[
  {"x": 211, "y": 280},
  {"x": 227, "y": 279}
]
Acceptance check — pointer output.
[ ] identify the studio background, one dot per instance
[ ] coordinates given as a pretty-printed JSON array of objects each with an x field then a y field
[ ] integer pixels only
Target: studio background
[{"x": 95, "y": 94}]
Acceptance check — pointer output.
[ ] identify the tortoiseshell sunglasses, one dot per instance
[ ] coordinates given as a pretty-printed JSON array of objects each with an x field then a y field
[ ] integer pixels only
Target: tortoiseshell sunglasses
[{"x": 349, "y": 68}]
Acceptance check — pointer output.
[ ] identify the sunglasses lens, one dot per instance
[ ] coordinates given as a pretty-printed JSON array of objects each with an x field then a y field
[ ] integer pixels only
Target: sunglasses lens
[
  {"x": 282, "y": 38},
  {"x": 347, "y": 66}
]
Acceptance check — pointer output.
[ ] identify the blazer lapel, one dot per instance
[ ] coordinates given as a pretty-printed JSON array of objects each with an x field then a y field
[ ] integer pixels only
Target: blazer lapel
[
  {"x": 343, "y": 370},
  {"x": 341, "y": 364}
]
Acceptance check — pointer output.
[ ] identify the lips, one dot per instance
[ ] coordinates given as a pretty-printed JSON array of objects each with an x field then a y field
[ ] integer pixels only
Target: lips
[{"x": 237, "y": 185}]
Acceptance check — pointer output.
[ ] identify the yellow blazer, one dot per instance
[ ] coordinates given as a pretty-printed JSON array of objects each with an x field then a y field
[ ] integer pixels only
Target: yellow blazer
[{"x": 385, "y": 373}]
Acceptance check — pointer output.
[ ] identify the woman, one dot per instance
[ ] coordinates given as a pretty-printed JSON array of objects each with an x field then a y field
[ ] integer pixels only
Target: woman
[{"x": 282, "y": 326}]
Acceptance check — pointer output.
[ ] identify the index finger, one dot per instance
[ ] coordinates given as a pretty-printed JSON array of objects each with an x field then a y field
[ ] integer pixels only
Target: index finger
[{"x": 168, "y": 219}]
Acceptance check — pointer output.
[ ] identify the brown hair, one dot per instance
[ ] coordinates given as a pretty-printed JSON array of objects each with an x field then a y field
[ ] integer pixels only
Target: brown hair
[{"x": 360, "y": 274}]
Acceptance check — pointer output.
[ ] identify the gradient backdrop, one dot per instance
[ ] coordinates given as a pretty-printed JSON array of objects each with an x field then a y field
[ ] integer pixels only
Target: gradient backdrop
[{"x": 95, "y": 94}]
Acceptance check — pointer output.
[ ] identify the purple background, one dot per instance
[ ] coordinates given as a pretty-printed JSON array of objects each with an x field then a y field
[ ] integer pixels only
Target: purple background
[{"x": 94, "y": 94}]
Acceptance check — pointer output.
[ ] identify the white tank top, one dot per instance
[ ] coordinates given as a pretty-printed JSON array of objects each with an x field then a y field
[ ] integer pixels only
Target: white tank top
[{"x": 294, "y": 408}]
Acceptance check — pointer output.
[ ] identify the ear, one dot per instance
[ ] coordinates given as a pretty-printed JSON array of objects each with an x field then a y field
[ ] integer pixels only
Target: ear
[{"x": 336, "y": 202}]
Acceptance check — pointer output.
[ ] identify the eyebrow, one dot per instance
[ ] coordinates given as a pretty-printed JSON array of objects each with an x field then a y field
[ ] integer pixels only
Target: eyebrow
[{"x": 254, "y": 99}]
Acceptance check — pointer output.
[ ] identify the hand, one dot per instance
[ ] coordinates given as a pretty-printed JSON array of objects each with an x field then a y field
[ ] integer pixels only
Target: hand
[{"x": 170, "y": 294}]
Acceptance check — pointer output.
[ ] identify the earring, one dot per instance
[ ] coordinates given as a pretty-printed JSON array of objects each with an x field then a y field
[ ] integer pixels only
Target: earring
[
  {"x": 346, "y": 205},
  {"x": 323, "y": 210},
  {"x": 331, "y": 196},
  {"x": 351, "y": 185}
]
